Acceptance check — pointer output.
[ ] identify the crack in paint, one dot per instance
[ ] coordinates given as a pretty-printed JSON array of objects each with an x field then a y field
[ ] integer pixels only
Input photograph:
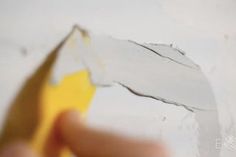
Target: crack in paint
[
  {"x": 161, "y": 55},
  {"x": 175, "y": 48},
  {"x": 171, "y": 45},
  {"x": 189, "y": 108}
]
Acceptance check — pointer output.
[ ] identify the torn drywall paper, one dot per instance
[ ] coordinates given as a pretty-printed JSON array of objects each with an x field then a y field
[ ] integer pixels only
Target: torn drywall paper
[
  {"x": 169, "y": 77},
  {"x": 116, "y": 61}
]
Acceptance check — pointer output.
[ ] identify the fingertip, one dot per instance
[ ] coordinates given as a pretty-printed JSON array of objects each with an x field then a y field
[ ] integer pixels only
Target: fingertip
[
  {"x": 158, "y": 150},
  {"x": 68, "y": 118},
  {"x": 67, "y": 123}
]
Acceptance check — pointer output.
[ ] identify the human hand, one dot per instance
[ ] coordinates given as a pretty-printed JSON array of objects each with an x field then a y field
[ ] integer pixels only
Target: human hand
[{"x": 86, "y": 142}]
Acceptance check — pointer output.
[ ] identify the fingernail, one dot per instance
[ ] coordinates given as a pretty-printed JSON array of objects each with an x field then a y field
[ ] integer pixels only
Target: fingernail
[
  {"x": 68, "y": 119},
  {"x": 70, "y": 116}
]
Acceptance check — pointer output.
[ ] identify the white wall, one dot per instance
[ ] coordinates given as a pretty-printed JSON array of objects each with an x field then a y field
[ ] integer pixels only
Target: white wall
[{"x": 204, "y": 29}]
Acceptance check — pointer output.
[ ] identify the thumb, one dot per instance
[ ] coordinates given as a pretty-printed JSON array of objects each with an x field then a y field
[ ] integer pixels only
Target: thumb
[{"x": 87, "y": 142}]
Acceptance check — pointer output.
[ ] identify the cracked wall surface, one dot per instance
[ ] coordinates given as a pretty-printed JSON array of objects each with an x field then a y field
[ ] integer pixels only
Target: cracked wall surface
[
  {"x": 145, "y": 74},
  {"x": 208, "y": 37}
]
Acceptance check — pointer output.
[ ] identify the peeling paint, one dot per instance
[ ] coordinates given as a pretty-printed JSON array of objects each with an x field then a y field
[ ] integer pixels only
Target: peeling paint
[
  {"x": 111, "y": 61},
  {"x": 162, "y": 80},
  {"x": 147, "y": 47}
]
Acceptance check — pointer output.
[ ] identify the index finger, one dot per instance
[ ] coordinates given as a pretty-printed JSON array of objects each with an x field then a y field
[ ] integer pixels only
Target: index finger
[{"x": 87, "y": 142}]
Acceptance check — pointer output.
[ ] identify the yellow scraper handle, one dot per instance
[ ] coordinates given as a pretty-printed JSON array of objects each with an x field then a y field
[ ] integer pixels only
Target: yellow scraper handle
[{"x": 73, "y": 92}]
